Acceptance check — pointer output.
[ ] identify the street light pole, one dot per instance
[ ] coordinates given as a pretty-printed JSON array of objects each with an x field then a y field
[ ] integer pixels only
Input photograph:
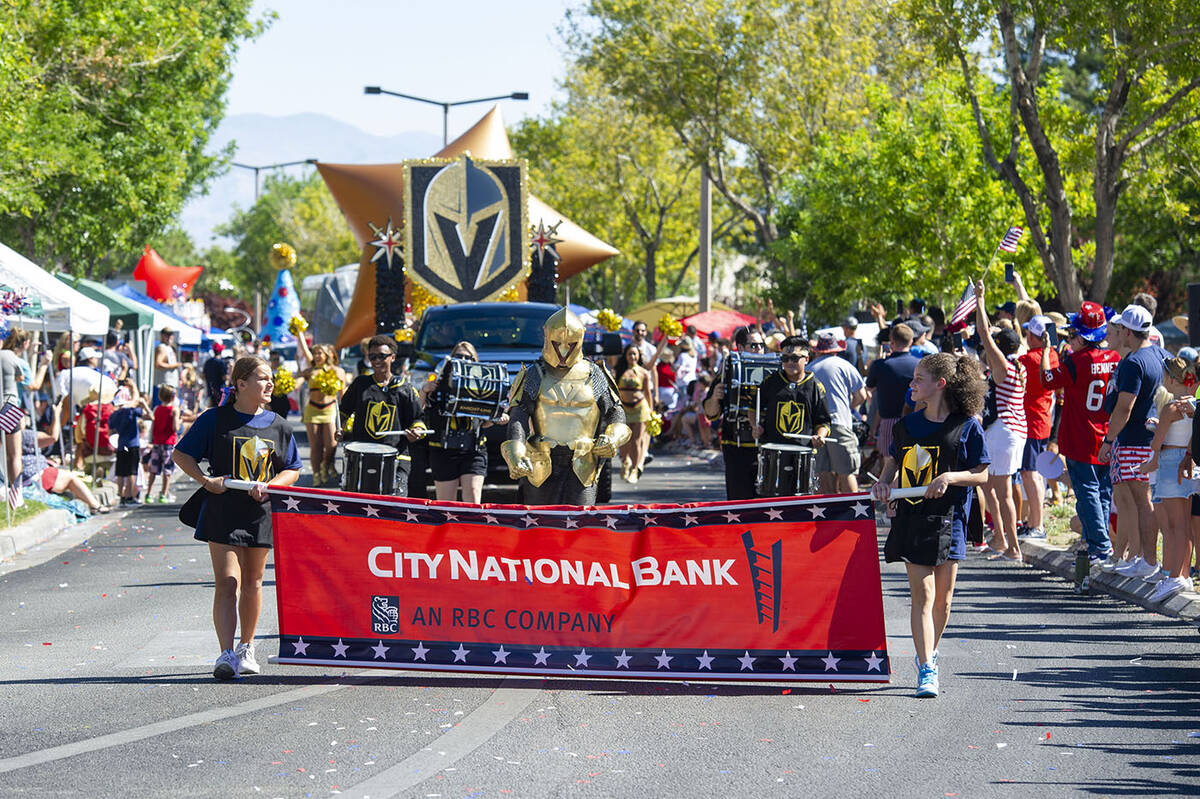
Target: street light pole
[{"x": 445, "y": 106}]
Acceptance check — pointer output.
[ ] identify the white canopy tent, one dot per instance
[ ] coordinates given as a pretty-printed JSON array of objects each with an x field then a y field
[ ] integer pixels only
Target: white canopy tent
[{"x": 64, "y": 308}]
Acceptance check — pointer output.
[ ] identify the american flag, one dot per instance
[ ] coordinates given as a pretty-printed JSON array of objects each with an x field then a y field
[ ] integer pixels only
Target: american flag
[
  {"x": 1011, "y": 239},
  {"x": 10, "y": 417},
  {"x": 965, "y": 307}
]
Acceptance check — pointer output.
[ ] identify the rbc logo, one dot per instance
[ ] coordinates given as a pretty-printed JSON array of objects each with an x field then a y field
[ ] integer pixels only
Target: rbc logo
[{"x": 385, "y": 614}]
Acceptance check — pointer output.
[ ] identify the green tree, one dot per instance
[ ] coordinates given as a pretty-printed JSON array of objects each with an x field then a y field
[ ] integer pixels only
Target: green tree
[
  {"x": 1145, "y": 93},
  {"x": 749, "y": 87},
  {"x": 106, "y": 109}
]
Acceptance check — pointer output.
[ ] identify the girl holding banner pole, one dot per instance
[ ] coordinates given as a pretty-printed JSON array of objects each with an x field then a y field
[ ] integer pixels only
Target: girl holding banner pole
[
  {"x": 242, "y": 440},
  {"x": 938, "y": 456}
]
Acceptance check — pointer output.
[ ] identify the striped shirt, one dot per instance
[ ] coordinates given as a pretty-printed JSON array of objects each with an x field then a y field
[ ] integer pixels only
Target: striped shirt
[{"x": 1010, "y": 397}]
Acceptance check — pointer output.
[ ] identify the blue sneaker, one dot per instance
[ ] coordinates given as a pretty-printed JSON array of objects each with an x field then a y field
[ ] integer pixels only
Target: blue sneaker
[
  {"x": 917, "y": 661},
  {"x": 927, "y": 680}
]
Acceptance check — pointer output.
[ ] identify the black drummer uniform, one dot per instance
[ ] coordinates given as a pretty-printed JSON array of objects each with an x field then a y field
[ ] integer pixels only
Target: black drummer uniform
[
  {"x": 739, "y": 450},
  {"x": 797, "y": 408},
  {"x": 381, "y": 409},
  {"x": 457, "y": 446},
  {"x": 244, "y": 447}
]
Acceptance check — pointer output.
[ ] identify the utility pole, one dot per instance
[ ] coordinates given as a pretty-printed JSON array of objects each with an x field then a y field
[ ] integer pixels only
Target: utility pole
[{"x": 705, "y": 240}]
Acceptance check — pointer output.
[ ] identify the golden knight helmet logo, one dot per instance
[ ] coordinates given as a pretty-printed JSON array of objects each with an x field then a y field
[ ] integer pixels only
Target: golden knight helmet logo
[
  {"x": 379, "y": 417},
  {"x": 917, "y": 467},
  {"x": 789, "y": 417},
  {"x": 564, "y": 339},
  {"x": 466, "y": 226},
  {"x": 253, "y": 461}
]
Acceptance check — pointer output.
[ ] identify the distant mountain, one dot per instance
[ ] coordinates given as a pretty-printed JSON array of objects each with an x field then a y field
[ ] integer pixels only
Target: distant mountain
[{"x": 264, "y": 139}]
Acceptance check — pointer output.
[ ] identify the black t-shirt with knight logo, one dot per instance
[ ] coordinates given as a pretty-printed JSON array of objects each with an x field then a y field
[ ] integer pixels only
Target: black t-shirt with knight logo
[
  {"x": 380, "y": 409},
  {"x": 796, "y": 408}
]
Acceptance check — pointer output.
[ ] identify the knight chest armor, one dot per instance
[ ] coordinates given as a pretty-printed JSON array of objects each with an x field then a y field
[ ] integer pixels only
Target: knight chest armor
[{"x": 566, "y": 409}]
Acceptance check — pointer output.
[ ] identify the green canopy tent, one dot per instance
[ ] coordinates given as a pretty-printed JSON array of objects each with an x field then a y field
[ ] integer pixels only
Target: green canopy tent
[{"x": 136, "y": 319}]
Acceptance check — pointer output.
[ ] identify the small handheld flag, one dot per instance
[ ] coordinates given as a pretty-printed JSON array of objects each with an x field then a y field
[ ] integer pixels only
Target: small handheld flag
[{"x": 1011, "y": 239}]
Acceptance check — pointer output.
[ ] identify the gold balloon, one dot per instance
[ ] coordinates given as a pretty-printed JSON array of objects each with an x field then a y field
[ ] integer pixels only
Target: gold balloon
[{"x": 283, "y": 256}]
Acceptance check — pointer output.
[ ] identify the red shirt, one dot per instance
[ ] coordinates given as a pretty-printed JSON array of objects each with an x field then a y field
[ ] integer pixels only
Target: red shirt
[
  {"x": 1039, "y": 399},
  {"x": 1084, "y": 377},
  {"x": 163, "y": 429}
]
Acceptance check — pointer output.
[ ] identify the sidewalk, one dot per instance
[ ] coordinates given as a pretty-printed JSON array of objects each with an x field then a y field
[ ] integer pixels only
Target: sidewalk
[{"x": 1184, "y": 605}]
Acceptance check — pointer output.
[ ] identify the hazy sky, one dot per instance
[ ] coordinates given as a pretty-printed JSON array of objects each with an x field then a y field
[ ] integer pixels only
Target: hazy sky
[{"x": 318, "y": 55}]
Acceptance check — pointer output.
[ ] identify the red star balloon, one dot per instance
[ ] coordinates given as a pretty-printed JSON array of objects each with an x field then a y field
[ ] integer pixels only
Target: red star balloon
[{"x": 162, "y": 279}]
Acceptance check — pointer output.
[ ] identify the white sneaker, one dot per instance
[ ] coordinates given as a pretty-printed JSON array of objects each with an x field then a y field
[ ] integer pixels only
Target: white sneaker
[
  {"x": 227, "y": 666},
  {"x": 1112, "y": 564},
  {"x": 246, "y": 662},
  {"x": 1168, "y": 588},
  {"x": 1137, "y": 567}
]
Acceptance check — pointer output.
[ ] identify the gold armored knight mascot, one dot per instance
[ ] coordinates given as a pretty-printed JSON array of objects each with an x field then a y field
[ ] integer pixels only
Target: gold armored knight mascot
[{"x": 565, "y": 417}]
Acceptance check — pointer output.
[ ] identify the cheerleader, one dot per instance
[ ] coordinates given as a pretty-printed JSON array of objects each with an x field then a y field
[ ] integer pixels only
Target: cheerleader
[
  {"x": 326, "y": 383},
  {"x": 457, "y": 449},
  {"x": 940, "y": 447}
]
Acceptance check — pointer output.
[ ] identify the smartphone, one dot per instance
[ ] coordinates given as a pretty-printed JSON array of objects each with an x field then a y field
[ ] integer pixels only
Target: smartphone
[
  {"x": 1010, "y": 273},
  {"x": 1053, "y": 331}
]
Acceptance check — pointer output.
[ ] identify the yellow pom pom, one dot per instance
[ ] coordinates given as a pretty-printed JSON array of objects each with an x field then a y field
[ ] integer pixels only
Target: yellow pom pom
[
  {"x": 326, "y": 381},
  {"x": 422, "y": 298},
  {"x": 403, "y": 334},
  {"x": 654, "y": 426},
  {"x": 283, "y": 256},
  {"x": 609, "y": 319},
  {"x": 670, "y": 326},
  {"x": 297, "y": 325},
  {"x": 284, "y": 382}
]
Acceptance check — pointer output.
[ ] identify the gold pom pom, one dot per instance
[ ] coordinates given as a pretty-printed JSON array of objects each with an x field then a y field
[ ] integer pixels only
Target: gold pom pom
[
  {"x": 609, "y": 319},
  {"x": 283, "y": 256},
  {"x": 654, "y": 425},
  {"x": 297, "y": 325},
  {"x": 284, "y": 382},
  {"x": 403, "y": 334},
  {"x": 670, "y": 326},
  {"x": 326, "y": 381}
]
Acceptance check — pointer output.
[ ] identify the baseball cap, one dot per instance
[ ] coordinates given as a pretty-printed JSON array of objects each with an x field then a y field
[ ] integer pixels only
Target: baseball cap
[
  {"x": 1091, "y": 323},
  {"x": 1135, "y": 318},
  {"x": 1038, "y": 325},
  {"x": 919, "y": 328},
  {"x": 1008, "y": 307},
  {"x": 217, "y": 347},
  {"x": 87, "y": 353},
  {"x": 1007, "y": 340}
]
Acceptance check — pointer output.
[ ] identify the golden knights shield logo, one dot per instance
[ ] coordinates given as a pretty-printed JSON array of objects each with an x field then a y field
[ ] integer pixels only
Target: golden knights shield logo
[
  {"x": 789, "y": 417},
  {"x": 380, "y": 416},
  {"x": 252, "y": 458},
  {"x": 918, "y": 467},
  {"x": 466, "y": 233}
]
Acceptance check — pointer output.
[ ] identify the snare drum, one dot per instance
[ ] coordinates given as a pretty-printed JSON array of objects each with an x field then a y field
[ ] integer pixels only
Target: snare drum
[
  {"x": 786, "y": 470},
  {"x": 744, "y": 372},
  {"x": 370, "y": 468},
  {"x": 475, "y": 390}
]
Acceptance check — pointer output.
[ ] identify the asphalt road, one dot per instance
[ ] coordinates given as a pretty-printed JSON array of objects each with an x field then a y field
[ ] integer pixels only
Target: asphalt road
[{"x": 105, "y": 683}]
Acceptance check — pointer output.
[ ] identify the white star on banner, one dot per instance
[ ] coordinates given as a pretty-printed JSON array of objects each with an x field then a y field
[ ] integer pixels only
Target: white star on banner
[
  {"x": 706, "y": 660},
  {"x": 292, "y": 503},
  {"x": 689, "y": 519},
  {"x": 582, "y": 658},
  {"x": 380, "y": 651},
  {"x": 571, "y": 522},
  {"x": 817, "y": 512},
  {"x": 419, "y": 651},
  {"x": 860, "y": 509},
  {"x": 409, "y": 516},
  {"x": 450, "y": 517},
  {"x": 541, "y": 657},
  {"x": 747, "y": 661},
  {"x": 623, "y": 660},
  {"x": 529, "y": 520},
  {"x": 339, "y": 649},
  {"x": 331, "y": 507},
  {"x": 501, "y": 655},
  {"x": 301, "y": 647},
  {"x": 611, "y": 521},
  {"x": 664, "y": 660},
  {"x": 647, "y": 521},
  {"x": 789, "y": 662},
  {"x": 730, "y": 516},
  {"x": 830, "y": 662},
  {"x": 372, "y": 511},
  {"x": 490, "y": 519},
  {"x": 774, "y": 513},
  {"x": 461, "y": 653},
  {"x": 873, "y": 663}
]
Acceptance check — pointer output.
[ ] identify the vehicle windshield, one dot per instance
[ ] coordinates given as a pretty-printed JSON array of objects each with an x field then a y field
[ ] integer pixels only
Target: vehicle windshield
[{"x": 504, "y": 327}]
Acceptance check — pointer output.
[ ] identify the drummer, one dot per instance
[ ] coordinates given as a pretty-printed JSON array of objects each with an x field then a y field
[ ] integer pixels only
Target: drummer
[
  {"x": 385, "y": 408},
  {"x": 457, "y": 448},
  {"x": 792, "y": 400},
  {"x": 739, "y": 450}
]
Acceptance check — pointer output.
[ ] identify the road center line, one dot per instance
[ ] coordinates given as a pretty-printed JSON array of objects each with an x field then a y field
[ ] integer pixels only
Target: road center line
[
  {"x": 485, "y": 721},
  {"x": 171, "y": 725}
]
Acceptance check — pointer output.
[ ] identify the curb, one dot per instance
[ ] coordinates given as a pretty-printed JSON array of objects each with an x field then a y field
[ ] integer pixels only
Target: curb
[
  {"x": 31, "y": 532},
  {"x": 1183, "y": 605}
]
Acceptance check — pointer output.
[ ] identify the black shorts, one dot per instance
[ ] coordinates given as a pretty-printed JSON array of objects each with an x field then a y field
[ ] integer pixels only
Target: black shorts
[
  {"x": 1033, "y": 448},
  {"x": 451, "y": 464},
  {"x": 127, "y": 462}
]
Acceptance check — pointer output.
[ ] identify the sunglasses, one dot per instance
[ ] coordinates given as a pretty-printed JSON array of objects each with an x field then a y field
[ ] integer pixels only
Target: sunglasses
[
  {"x": 379, "y": 356},
  {"x": 793, "y": 358},
  {"x": 756, "y": 345}
]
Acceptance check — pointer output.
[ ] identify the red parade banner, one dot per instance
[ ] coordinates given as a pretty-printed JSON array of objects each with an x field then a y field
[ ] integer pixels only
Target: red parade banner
[{"x": 779, "y": 589}]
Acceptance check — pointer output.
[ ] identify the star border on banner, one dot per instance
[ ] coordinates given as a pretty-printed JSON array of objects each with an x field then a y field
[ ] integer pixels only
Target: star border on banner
[
  {"x": 542, "y": 238},
  {"x": 387, "y": 242}
]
